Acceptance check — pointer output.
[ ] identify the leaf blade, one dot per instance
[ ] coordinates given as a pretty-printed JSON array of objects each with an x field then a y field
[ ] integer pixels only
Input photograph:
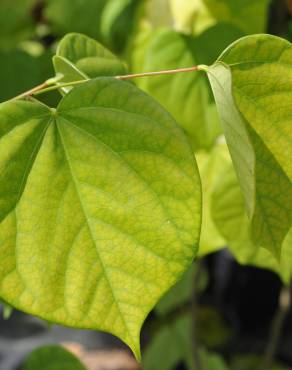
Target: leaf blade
[
  {"x": 17, "y": 159},
  {"x": 114, "y": 188},
  {"x": 80, "y": 57},
  {"x": 243, "y": 92}
]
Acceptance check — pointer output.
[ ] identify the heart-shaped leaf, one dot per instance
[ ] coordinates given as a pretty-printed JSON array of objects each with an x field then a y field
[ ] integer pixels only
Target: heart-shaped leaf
[
  {"x": 252, "y": 83},
  {"x": 100, "y": 207},
  {"x": 79, "y": 57}
]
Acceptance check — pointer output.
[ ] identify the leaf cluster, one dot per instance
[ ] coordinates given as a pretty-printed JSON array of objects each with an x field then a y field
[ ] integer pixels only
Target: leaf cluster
[{"x": 109, "y": 190}]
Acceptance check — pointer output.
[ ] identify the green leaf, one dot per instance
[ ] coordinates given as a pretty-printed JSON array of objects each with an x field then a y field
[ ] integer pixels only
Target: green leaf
[
  {"x": 173, "y": 340},
  {"x": 179, "y": 294},
  {"x": 228, "y": 212},
  {"x": 210, "y": 166},
  {"x": 67, "y": 71},
  {"x": 252, "y": 362},
  {"x": 157, "y": 13},
  {"x": 16, "y": 22},
  {"x": 75, "y": 16},
  {"x": 139, "y": 49},
  {"x": 196, "y": 16},
  {"x": 249, "y": 15},
  {"x": 210, "y": 45},
  {"x": 255, "y": 115},
  {"x": 117, "y": 23},
  {"x": 52, "y": 358},
  {"x": 79, "y": 57},
  {"x": 184, "y": 14},
  {"x": 212, "y": 330},
  {"x": 35, "y": 69},
  {"x": 212, "y": 361},
  {"x": 100, "y": 207},
  {"x": 185, "y": 95},
  {"x": 13, "y": 83}
]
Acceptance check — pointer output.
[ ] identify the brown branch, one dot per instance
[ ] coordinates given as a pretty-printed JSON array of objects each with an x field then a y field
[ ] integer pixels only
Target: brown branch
[
  {"x": 32, "y": 91},
  {"x": 46, "y": 86},
  {"x": 158, "y": 73}
]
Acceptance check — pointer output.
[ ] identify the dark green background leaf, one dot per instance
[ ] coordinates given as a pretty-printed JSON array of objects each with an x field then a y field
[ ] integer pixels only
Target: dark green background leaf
[{"x": 52, "y": 358}]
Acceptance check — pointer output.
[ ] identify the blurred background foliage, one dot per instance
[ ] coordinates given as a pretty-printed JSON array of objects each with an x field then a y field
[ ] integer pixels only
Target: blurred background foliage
[{"x": 152, "y": 35}]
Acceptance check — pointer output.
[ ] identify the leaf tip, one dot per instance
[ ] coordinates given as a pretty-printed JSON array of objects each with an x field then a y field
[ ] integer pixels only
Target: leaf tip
[
  {"x": 137, "y": 354},
  {"x": 136, "y": 348}
]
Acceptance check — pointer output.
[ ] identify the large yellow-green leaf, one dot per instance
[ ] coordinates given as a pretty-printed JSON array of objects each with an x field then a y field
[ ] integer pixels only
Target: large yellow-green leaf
[
  {"x": 100, "y": 206},
  {"x": 80, "y": 57},
  {"x": 229, "y": 215},
  {"x": 186, "y": 96},
  {"x": 252, "y": 83}
]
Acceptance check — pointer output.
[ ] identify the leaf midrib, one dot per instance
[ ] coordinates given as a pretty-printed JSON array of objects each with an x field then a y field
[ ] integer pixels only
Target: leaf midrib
[
  {"x": 120, "y": 111},
  {"x": 139, "y": 177},
  {"x": 91, "y": 232}
]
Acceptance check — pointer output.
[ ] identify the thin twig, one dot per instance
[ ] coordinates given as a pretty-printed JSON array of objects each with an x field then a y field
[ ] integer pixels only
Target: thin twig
[
  {"x": 32, "y": 91},
  {"x": 276, "y": 328},
  {"x": 45, "y": 87},
  {"x": 60, "y": 86},
  {"x": 158, "y": 73}
]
